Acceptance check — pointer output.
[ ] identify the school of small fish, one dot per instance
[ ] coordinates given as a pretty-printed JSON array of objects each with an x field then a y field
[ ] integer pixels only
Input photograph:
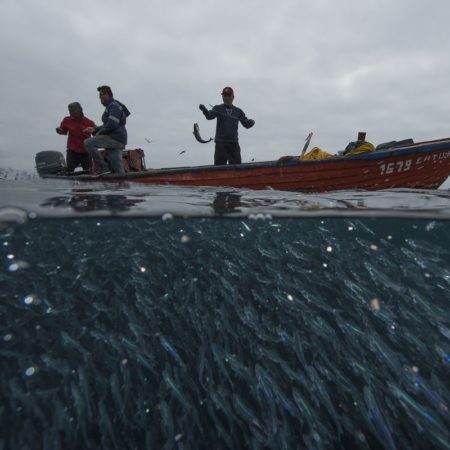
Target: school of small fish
[{"x": 225, "y": 334}]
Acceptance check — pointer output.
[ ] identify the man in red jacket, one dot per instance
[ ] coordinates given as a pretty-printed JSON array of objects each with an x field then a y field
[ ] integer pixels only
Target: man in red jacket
[{"x": 74, "y": 125}]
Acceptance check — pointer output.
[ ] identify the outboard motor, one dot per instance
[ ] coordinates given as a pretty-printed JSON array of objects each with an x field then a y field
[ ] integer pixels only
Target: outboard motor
[{"x": 50, "y": 162}]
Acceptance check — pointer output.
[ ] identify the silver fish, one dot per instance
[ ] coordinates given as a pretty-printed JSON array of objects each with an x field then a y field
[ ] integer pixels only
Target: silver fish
[
  {"x": 407, "y": 401},
  {"x": 317, "y": 382},
  {"x": 104, "y": 420},
  {"x": 177, "y": 391},
  {"x": 67, "y": 339},
  {"x": 171, "y": 350},
  {"x": 244, "y": 411},
  {"x": 196, "y": 133},
  {"x": 378, "y": 420}
]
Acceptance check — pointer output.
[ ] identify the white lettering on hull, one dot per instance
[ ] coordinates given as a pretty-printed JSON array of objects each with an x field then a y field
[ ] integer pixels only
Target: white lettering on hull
[{"x": 407, "y": 164}]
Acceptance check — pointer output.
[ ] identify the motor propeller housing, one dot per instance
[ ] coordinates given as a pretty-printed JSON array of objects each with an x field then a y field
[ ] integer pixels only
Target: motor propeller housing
[{"x": 50, "y": 162}]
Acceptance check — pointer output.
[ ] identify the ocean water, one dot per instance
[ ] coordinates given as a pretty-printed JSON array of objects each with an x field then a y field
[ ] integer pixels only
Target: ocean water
[{"x": 136, "y": 317}]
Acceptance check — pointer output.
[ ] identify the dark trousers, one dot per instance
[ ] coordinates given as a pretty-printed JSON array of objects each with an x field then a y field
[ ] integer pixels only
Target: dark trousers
[
  {"x": 75, "y": 158},
  {"x": 227, "y": 152}
]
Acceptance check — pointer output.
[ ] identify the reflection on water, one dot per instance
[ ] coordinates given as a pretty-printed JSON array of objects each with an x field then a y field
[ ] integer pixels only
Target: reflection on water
[
  {"x": 56, "y": 198},
  {"x": 226, "y": 202},
  {"x": 92, "y": 202}
]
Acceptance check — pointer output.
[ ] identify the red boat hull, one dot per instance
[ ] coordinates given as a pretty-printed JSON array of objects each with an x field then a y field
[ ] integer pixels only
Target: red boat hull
[{"x": 423, "y": 166}]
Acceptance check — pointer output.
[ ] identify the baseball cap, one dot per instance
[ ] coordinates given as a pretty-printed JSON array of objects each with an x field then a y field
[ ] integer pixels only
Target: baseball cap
[{"x": 227, "y": 90}]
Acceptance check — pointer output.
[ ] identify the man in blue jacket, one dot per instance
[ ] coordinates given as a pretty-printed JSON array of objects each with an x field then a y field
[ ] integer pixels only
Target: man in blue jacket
[
  {"x": 112, "y": 135},
  {"x": 228, "y": 117}
]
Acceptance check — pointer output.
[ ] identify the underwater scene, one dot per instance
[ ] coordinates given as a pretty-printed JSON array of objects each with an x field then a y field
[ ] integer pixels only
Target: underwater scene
[{"x": 253, "y": 331}]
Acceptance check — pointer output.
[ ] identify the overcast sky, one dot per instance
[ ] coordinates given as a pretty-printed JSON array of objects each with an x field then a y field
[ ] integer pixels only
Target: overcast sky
[{"x": 333, "y": 67}]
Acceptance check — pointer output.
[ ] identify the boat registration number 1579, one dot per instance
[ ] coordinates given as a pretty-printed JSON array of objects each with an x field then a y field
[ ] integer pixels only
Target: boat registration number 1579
[{"x": 405, "y": 165}]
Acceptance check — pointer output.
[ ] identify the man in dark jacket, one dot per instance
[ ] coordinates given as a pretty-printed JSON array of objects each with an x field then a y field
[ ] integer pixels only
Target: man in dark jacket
[
  {"x": 112, "y": 135},
  {"x": 228, "y": 117}
]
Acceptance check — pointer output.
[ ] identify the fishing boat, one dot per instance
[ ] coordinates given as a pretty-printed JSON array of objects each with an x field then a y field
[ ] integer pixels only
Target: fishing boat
[{"x": 423, "y": 165}]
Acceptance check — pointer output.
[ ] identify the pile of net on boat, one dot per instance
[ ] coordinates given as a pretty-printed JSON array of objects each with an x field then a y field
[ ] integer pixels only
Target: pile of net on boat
[{"x": 352, "y": 149}]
